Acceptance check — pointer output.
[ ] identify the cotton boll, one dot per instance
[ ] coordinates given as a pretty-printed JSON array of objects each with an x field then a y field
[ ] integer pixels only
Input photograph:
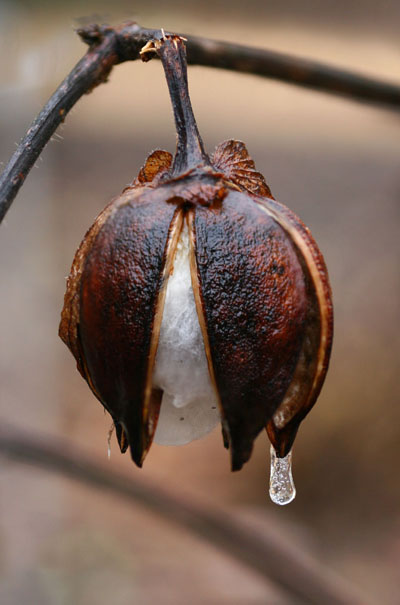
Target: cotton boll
[
  {"x": 177, "y": 426},
  {"x": 189, "y": 408}
]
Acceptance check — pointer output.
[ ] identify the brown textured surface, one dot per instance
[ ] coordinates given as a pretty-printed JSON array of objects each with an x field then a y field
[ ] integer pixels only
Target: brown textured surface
[
  {"x": 253, "y": 294},
  {"x": 314, "y": 359},
  {"x": 70, "y": 312},
  {"x": 120, "y": 284}
]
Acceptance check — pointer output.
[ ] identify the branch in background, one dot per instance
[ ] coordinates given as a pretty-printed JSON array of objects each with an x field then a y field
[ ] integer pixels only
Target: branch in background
[
  {"x": 109, "y": 46},
  {"x": 302, "y": 578}
]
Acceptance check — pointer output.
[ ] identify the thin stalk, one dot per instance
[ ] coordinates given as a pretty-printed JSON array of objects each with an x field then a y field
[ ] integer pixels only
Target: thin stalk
[{"x": 189, "y": 148}]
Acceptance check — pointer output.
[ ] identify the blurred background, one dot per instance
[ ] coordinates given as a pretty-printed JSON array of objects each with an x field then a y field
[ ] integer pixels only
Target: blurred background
[{"x": 336, "y": 163}]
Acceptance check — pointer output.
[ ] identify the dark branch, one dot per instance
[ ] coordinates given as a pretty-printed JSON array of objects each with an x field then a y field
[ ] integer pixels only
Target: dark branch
[
  {"x": 91, "y": 70},
  {"x": 110, "y": 46},
  {"x": 303, "y": 579}
]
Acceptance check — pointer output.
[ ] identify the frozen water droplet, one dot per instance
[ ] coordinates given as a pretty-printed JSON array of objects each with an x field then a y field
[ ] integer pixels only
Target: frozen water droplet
[
  {"x": 110, "y": 432},
  {"x": 281, "y": 486}
]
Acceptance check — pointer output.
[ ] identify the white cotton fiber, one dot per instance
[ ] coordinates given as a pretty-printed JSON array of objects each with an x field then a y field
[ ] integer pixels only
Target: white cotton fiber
[{"x": 189, "y": 407}]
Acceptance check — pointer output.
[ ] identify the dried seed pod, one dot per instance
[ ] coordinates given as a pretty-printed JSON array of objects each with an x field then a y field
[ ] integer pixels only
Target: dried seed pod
[{"x": 196, "y": 287}]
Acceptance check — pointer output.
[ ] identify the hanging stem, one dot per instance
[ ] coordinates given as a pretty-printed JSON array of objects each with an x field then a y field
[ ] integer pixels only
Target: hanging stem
[{"x": 189, "y": 149}]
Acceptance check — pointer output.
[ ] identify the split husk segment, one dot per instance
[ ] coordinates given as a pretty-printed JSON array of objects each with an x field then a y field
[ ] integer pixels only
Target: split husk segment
[{"x": 260, "y": 286}]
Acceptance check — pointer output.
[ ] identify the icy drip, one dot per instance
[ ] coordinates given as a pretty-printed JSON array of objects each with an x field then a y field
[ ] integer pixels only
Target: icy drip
[
  {"x": 109, "y": 435},
  {"x": 281, "y": 486},
  {"x": 189, "y": 408}
]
